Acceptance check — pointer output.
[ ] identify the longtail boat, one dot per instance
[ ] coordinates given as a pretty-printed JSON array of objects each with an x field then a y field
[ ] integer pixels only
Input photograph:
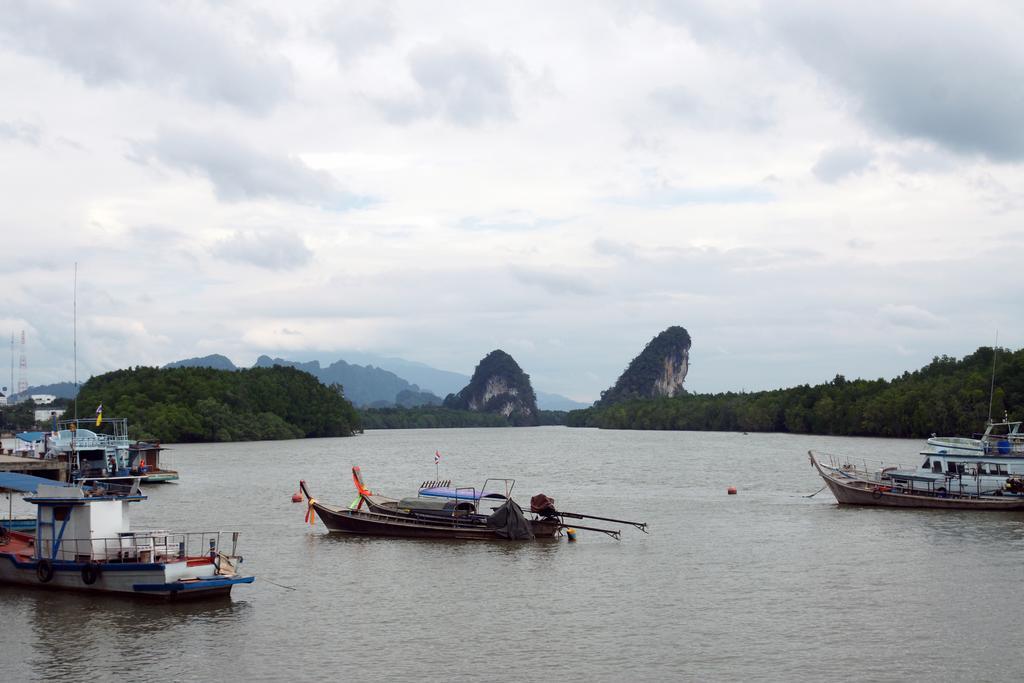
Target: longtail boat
[{"x": 440, "y": 511}]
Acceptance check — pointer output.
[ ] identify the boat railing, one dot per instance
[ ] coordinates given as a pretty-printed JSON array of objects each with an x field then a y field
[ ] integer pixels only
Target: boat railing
[
  {"x": 142, "y": 546},
  {"x": 958, "y": 441},
  {"x": 1004, "y": 446},
  {"x": 117, "y": 426},
  {"x": 862, "y": 467},
  {"x": 990, "y": 446},
  {"x": 106, "y": 487},
  {"x": 885, "y": 475}
]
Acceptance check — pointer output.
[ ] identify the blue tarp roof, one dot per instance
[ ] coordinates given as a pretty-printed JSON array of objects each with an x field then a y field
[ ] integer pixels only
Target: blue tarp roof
[
  {"x": 466, "y": 493},
  {"x": 14, "y": 481},
  {"x": 30, "y": 436}
]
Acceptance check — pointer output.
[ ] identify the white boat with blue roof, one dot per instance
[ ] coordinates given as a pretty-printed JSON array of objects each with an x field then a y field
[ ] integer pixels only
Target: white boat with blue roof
[
  {"x": 98, "y": 450},
  {"x": 981, "y": 472},
  {"x": 83, "y": 540}
]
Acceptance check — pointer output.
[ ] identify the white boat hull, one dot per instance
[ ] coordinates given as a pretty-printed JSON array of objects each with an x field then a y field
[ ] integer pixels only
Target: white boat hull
[{"x": 168, "y": 580}]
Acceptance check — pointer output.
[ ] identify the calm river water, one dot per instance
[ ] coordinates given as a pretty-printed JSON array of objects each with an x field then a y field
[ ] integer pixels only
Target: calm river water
[{"x": 764, "y": 585}]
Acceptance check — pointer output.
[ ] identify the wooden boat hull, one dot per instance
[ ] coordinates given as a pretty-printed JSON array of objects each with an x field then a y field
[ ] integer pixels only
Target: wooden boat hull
[
  {"x": 369, "y": 523},
  {"x": 147, "y": 580},
  {"x": 853, "y": 491}
]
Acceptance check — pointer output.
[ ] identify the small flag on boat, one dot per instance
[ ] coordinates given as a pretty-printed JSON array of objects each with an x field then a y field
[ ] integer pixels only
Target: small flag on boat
[
  {"x": 437, "y": 457},
  {"x": 99, "y": 414}
]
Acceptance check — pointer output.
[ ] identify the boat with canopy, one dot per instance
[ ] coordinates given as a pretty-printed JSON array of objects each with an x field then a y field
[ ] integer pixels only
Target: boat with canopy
[{"x": 441, "y": 511}]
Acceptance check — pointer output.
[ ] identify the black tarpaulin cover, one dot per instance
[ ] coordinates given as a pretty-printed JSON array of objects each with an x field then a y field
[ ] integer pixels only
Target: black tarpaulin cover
[{"x": 508, "y": 521}]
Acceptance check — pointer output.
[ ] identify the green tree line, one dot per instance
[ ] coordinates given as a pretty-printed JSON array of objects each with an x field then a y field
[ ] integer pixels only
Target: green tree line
[
  {"x": 429, "y": 417},
  {"x": 183, "y": 405},
  {"x": 948, "y": 396}
]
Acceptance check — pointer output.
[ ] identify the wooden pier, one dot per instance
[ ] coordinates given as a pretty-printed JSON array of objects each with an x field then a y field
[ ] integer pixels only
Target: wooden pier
[{"x": 48, "y": 468}]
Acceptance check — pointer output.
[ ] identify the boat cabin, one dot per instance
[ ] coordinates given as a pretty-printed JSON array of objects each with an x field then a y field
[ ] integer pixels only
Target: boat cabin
[
  {"x": 961, "y": 465},
  {"x": 92, "y": 453},
  {"x": 144, "y": 458},
  {"x": 999, "y": 439},
  {"x": 78, "y": 524}
]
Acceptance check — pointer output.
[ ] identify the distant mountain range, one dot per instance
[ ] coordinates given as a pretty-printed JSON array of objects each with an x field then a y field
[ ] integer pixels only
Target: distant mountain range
[
  {"x": 375, "y": 381},
  {"x": 364, "y": 385},
  {"x": 444, "y": 382},
  {"x": 215, "y": 361},
  {"x": 380, "y": 381},
  {"x": 60, "y": 390}
]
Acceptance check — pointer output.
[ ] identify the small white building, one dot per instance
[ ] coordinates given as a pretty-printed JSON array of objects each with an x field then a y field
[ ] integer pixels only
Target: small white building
[
  {"x": 43, "y": 399},
  {"x": 46, "y": 414}
]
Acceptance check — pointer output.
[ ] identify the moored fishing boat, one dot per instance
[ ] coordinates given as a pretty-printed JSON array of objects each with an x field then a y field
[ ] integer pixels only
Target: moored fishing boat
[
  {"x": 102, "y": 455},
  {"x": 854, "y": 486},
  {"x": 83, "y": 541},
  {"x": 979, "y": 473},
  {"x": 446, "y": 512}
]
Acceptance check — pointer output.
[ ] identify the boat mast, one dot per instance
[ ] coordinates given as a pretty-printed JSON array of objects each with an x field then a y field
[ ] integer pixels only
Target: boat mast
[
  {"x": 75, "y": 336},
  {"x": 74, "y": 422},
  {"x": 992, "y": 386}
]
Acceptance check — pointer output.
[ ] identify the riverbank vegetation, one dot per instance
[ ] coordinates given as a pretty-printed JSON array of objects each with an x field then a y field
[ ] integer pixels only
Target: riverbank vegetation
[
  {"x": 191, "y": 404},
  {"x": 428, "y": 417},
  {"x": 947, "y": 396}
]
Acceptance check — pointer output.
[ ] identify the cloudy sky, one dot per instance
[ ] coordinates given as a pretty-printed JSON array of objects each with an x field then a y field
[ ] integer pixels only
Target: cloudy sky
[{"x": 808, "y": 188}]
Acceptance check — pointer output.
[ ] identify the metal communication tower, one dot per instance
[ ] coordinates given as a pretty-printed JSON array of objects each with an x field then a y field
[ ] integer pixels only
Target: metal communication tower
[{"x": 22, "y": 368}]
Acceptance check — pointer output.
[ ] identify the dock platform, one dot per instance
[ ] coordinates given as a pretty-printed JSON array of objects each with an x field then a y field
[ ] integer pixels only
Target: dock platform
[{"x": 49, "y": 468}]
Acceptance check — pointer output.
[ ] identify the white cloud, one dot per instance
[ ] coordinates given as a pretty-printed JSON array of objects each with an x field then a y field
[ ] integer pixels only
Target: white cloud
[
  {"x": 905, "y": 315},
  {"x": 240, "y": 172},
  {"x": 555, "y": 283},
  {"x": 355, "y": 29},
  {"x": 466, "y": 85},
  {"x": 841, "y": 162},
  {"x": 942, "y": 73},
  {"x": 268, "y": 249},
  {"x": 807, "y": 188},
  {"x": 20, "y": 131},
  {"x": 186, "y": 47}
]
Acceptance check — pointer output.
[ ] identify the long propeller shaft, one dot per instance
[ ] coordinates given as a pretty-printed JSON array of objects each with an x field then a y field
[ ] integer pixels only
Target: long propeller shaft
[{"x": 642, "y": 526}]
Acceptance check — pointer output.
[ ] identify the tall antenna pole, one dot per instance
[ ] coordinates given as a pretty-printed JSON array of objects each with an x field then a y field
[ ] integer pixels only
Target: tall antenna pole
[
  {"x": 75, "y": 336},
  {"x": 992, "y": 387},
  {"x": 22, "y": 367}
]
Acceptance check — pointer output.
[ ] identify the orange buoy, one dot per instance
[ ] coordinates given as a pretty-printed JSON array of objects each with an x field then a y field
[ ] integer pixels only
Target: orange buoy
[
  {"x": 296, "y": 497},
  {"x": 731, "y": 490}
]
